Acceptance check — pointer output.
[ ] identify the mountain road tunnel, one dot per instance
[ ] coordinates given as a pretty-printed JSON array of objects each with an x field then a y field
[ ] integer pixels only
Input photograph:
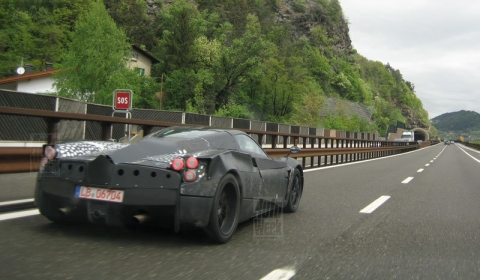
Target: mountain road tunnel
[{"x": 420, "y": 134}]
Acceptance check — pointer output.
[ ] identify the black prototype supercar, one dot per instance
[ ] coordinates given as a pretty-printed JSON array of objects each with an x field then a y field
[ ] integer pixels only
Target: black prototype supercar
[{"x": 178, "y": 177}]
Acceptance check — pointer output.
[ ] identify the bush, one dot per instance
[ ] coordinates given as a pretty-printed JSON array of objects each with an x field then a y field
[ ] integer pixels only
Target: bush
[
  {"x": 300, "y": 7},
  {"x": 234, "y": 110}
]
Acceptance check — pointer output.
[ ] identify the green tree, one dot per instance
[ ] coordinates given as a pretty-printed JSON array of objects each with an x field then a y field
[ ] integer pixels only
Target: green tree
[
  {"x": 307, "y": 112},
  {"x": 132, "y": 17},
  {"x": 50, "y": 39},
  {"x": 97, "y": 51},
  {"x": 180, "y": 89},
  {"x": 143, "y": 88},
  {"x": 236, "y": 61},
  {"x": 283, "y": 84},
  {"x": 181, "y": 24},
  {"x": 16, "y": 41}
]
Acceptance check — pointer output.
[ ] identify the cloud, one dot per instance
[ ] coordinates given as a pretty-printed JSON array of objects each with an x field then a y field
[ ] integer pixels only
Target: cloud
[{"x": 434, "y": 44}]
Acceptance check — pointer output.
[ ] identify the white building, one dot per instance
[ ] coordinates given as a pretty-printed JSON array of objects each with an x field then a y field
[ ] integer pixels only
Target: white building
[{"x": 42, "y": 82}]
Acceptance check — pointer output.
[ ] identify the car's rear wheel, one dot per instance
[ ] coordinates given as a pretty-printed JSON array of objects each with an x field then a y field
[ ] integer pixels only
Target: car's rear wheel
[
  {"x": 225, "y": 210},
  {"x": 295, "y": 194}
]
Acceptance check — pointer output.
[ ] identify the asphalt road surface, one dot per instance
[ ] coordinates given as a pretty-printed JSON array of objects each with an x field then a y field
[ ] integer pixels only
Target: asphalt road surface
[{"x": 414, "y": 215}]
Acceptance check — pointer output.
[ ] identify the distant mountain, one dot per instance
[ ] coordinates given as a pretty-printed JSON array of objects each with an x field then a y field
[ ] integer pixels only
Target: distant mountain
[{"x": 461, "y": 121}]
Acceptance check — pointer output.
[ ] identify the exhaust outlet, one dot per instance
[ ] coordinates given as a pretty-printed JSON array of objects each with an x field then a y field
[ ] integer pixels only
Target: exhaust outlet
[{"x": 141, "y": 218}]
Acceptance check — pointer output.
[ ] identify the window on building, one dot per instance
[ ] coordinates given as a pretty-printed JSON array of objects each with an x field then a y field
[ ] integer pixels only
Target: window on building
[
  {"x": 134, "y": 56},
  {"x": 140, "y": 71}
]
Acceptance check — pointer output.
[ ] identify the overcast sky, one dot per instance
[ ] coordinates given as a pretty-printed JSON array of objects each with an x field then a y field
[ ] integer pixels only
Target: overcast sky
[{"x": 434, "y": 43}]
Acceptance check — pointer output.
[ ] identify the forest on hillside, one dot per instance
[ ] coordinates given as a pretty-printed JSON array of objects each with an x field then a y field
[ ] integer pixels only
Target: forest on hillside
[
  {"x": 460, "y": 121},
  {"x": 272, "y": 60}
]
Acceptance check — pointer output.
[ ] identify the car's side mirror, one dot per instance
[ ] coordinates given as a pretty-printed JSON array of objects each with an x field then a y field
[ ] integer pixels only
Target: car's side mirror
[{"x": 294, "y": 149}]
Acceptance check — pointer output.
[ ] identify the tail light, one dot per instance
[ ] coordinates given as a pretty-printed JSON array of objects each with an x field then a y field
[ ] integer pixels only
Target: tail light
[
  {"x": 50, "y": 152},
  {"x": 177, "y": 164},
  {"x": 192, "y": 163},
  {"x": 189, "y": 167},
  {"x": 190, "y": 176}
]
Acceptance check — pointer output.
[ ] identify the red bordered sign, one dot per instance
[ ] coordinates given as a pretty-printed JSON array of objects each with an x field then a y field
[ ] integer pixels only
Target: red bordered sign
[{"x": 122, "y": 100}]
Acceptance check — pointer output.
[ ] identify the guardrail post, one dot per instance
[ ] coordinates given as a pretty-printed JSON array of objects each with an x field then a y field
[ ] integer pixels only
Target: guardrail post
[
  {"x": 337, "y": 145},
  {"x": 312, "y": 145},
  {"x": 260, "y": 138},
  {"x": 147, "y": 129},
  {"x": 304, "y": 159},
  {"x": 52, "y": 130},
  {"x": 106, "y": 131}
]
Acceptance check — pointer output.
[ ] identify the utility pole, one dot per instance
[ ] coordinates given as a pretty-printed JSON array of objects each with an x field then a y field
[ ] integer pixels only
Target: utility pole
[{"x": 160, "y": 93}]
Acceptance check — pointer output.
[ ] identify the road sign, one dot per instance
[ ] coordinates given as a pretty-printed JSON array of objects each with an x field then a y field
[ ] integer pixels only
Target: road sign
[{"x": 122, "y": 100}]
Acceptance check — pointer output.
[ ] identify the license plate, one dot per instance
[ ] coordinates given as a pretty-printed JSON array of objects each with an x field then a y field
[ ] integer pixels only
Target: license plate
[{"x": 99, "y": 194}]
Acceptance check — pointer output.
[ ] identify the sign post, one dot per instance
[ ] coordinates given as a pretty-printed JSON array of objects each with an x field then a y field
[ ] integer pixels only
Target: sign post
[{"x": 122, "y": 103}]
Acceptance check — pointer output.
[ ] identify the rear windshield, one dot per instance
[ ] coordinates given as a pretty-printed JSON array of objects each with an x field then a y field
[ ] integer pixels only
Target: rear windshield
[
  {"x": 173, "y": 133},
  {"x": 198, "y": 138}
]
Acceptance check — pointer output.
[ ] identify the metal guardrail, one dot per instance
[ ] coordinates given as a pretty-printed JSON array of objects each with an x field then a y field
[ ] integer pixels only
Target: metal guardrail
[
  {"x": 318, "y": 152},
  {"x": 471, "y": 145}
]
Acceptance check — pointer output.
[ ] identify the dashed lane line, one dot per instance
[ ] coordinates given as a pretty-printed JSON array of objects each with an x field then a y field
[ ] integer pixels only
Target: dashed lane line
[
  {"x": 406, "y": 181},
  {"x": 374, "y": 205},
  {"x": 279, "y": 274}
]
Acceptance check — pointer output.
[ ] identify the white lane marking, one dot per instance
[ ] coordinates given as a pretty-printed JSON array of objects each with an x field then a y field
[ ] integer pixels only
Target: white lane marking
[
  {"x": 474, "y": 158},
  {"x": 279, "y": 274},
  {"x": 428, "y": 164},
  {"x": 406, "y": 181},
  {"x": 21, "y": 214},
  {"x": 16, "y": 201},
  {"x": 420, "y": 170},
  {"x": 374, "y": 205},
  {"x": 468, "y": 148},
  {"x": 431, "y": 161}
]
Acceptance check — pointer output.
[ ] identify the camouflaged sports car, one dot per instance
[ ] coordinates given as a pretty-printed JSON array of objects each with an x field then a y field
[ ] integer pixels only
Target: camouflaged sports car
[{"x": 178, "y": 177}]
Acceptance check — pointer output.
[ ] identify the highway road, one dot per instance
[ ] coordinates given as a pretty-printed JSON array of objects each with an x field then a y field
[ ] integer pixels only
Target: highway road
[{"x": 414, "y": 215}]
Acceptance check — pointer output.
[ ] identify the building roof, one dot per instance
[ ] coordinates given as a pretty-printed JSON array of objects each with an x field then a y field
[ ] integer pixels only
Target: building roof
[
  {"x": 28, "y": 77},
  {"x": 145, "y": 53}
]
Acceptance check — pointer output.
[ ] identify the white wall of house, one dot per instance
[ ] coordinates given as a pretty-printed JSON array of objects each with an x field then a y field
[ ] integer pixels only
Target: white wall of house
[
  {"x": 37, "y": 85},
  {"x": 138, "y": 60}
]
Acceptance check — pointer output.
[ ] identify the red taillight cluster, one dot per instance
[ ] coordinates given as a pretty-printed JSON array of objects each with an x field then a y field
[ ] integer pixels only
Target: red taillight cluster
[
  {"x": 191, "y": 163},
  {"x": 49, "y": 154}
]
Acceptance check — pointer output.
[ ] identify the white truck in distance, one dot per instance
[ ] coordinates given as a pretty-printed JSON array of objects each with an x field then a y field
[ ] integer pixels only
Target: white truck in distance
[{"x": 407, "y": 136}]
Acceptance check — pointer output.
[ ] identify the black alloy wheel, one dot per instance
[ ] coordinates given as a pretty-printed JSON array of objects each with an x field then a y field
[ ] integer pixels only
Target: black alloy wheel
[
  {"x": 295, "y": 194},
  {"x": 225, "y": 210}
]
